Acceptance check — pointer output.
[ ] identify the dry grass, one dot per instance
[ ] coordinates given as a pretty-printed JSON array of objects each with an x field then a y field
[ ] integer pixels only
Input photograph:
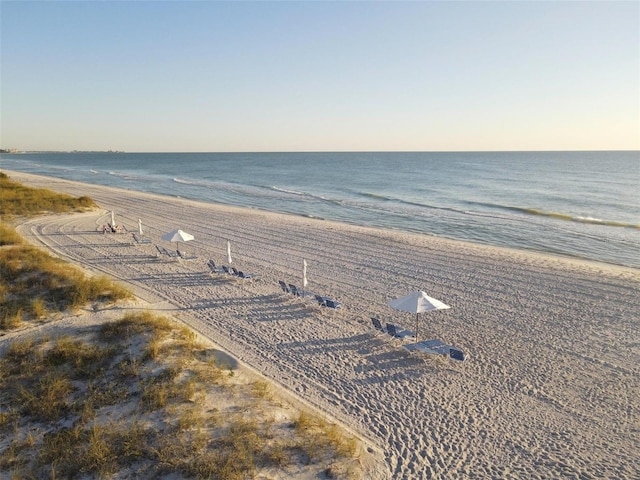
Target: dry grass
[
  {"x": 9, "y": 236},
  {"x": 17, "y": 199},
  {"x": 33, "y": 285},
  {"x": 323, "y": 439},
  {"x": 163, "y": 425}
]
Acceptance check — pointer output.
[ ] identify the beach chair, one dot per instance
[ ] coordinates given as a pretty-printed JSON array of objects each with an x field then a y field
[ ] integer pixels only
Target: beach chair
[
  {"x": 332, "y": 303},
  {"x": 430, "y": 347},
  {"x": 164, "y": 251},
  {"x": 457, "y": 354},
  {"x": 397, "y": 332},
  {"x": 377, "y": 325},
  {"x": 284, "y": 286},
  {"x": 226, "y": 270},
  {"x": 243, "y": 275},
  {"x": 321, "y": 300},
  {"x": 141, "y": 240},
  {"x": 185, "y": 256},
  {"x": 295, "y": 290},
  {"x": 212, "y": 266},
  {"x": 233, "y": 271}
]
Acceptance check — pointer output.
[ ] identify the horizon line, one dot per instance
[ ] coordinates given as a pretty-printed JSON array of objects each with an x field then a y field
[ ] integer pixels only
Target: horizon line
[{"x": 111, "y": 151}]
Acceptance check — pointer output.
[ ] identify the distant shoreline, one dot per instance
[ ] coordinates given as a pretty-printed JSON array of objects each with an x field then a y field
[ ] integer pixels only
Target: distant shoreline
[{"x": 17, "y": 151}]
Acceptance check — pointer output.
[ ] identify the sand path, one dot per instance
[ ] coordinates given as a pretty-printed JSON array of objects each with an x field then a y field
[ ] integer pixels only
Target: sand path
[{"x": 552, "y": 385}]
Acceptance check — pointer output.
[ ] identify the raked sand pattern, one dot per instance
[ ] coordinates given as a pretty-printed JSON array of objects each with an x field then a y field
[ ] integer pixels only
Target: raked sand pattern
[{"x": 551, "y": 388}]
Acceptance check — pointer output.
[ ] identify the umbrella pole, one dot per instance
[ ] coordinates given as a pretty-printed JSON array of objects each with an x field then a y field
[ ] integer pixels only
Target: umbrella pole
[{"x": 416, "y": 328}]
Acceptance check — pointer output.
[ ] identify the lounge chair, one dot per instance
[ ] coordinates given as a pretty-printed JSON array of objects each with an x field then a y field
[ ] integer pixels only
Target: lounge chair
[
  {"x": 397, "y": 332},
  {"x": 212, "y": 266},
  {"x": 295, "y": 290},
  {"x": 457, "y": 354},
  {"x": 284, "y": 286},
  {"x": 321, "y": 300},
  {"x": 141, "y": 240},
  {"x": 226, "y": 270},
  {"x": 166, "y": 252},
  {"x": 185, "y": 256},
  {"x": 233, "y": 271},
  {"x": 332, "y": 303},
  {"x": 244, "y": 275},
  {"x": 377, "y": 325},
  {"x": 432, "y": 347}
]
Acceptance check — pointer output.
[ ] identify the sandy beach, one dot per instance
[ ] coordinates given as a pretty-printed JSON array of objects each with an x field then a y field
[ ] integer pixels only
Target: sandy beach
[{"x": 551, "y": 386}]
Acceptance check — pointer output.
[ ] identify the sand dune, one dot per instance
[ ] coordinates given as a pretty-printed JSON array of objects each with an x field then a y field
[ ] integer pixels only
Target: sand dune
[{"x": 551, "y": 388}]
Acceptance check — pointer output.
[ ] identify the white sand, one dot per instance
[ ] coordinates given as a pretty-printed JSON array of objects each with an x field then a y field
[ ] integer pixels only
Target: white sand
[{"x": 552, "y": 385}]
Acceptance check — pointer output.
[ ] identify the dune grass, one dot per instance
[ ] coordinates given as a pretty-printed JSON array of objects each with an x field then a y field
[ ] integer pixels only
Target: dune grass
[
  {"x": 34, "y": 285},
  {"x": 8, "y": 235},
  {"x": 57, "y": 414},
  {"x": 17, "y": 199}
]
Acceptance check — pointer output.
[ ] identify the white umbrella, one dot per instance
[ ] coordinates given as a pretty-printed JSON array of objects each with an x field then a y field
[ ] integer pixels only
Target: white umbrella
[
  {"x": 113, "y": 221},
  {"x": 229, "y": 251},
  {"x": 417, "y": 302},
  {"x": 140, "y": 227},
  {"x": 177, "y": 236},
  {"x": 304, "y": 275}
]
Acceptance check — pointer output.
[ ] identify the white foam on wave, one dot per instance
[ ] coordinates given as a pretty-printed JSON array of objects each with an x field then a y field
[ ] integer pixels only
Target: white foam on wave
[{"x": 284, "y": 190}]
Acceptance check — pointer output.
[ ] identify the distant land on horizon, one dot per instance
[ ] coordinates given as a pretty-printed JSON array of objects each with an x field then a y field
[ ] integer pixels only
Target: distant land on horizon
[{"x": 18, "y": 151}]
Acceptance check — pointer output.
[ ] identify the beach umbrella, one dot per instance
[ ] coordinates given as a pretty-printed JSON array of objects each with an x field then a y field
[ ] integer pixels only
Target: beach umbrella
[
  {"x": 113, "y": 221},
  {"x": 177, "y": 236},
  {"x": 229, "y": 252},
  {"x": 417, "y": 302},
  {"x": 304, "y": 275},
  {"x": 140, "y": 227}
]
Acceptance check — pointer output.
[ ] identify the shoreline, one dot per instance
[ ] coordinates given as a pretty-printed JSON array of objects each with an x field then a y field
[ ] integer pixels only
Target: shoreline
[
  {"x": 551, "y": 386},
  {"x": 577, "y": 261}
]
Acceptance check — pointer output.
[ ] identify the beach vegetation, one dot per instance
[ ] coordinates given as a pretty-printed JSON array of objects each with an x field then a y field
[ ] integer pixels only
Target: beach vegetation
[
  {"x": 8, "y": 235},
  {"x": 20, "y": 200},
  {"x": 73, "y": 407},
  {"x": 261, "y": 390},
  {"x": 323, "y": 438},
  {"x": 34, "y": 285}
]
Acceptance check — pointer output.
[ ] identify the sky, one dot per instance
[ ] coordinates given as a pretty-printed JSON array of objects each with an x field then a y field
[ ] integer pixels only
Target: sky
[{"x": 241, "y": 76}]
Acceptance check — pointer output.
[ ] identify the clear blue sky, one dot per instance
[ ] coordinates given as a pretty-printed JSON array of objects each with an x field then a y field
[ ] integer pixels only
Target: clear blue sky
[{"x": 319, "y": 76}]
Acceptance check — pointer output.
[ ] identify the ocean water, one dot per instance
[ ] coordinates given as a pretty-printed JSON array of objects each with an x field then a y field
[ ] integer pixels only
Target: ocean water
[{"x": 576, "y": 204}]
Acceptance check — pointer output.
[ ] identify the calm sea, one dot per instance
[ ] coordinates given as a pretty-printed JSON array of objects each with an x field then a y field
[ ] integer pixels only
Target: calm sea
[{"x": 575, "y": 204}]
